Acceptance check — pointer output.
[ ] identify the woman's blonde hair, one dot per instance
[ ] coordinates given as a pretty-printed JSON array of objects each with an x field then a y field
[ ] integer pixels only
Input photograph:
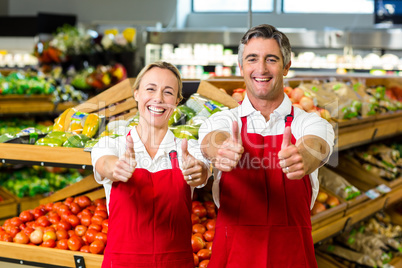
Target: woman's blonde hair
[{"x": 162, "y": 65}]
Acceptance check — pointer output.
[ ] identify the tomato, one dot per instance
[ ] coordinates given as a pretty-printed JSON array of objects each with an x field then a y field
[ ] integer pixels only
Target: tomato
[
  {"x": 197, "y": 243},
  {"x": 26, "y": 216},
  {"x": 28, "y": 230},
  {"x": 96, "y": 227},
  {"x": 199, "y": 235},
  {"x": 73, "y": 220},
  {"x": 195, "y": 219},
  {"x": 84, "y": 201},
  {"x": 101, "y": 207},
  {"x": 62, "y": 244},
  {"x": 71, "y": 233},
  {"x": 68, "y": 201},
  {"x": 210, "y": 224},
  {"x": 50, "y": 243},
  {"x": 97, "y": 247},
  {"x": 49, "y": 235},
  {"x": 52, "y": 213},
  {"x": 63, "y": 225},
  {"x": 91, "y": 208},
  {"x": 211, "y": 213},
  {"x": 37, "y": 212},
  {"x": 56, "y": 206},
  {"x": 85, "y": 248},
  {"x": 200, "y": 211},
  {"x": 208, "y": 245},
  {"x": 12, "y": 230},
  {"x": 199, "y": 228},
  {"x": 101, "y": 213},
  {"x": 204, "y": 254},
  {"x": 49, "y": 228},
  {"x": 90, "y": 235},
  {"x": 209, "y": 204},
  {"x": 65, "y": 215},
  {"x": 97, "y": 220},
  {"x": 74, "y": 243},
  {"x": 86, "y": 220},
  {"x": 203, "y": 264},
  {"x": 196, "y": 259},
  {"x": 49, "y": 207},
  {"x": 80, "y": 230},
  {"x": 62, "y": 234},
  {"x": 43, "y": 221},
  {"x": 54, "y": 219},
  {"x": 101, "y": 236},
  {"x": 105, "y": 223},
  {"x": 209, "y": 235},
  {"x": 100, "y": 201},
  {"x": 16, "y": 221},
  {"x": 86, "y": 211},
  {"x": 21, "y": 238},
  {"x": 7, "y": 238},
  {"x": 62, "y": 208},
  {"x": 195, "y": 203},
  {"x": 75, "y": 208}
]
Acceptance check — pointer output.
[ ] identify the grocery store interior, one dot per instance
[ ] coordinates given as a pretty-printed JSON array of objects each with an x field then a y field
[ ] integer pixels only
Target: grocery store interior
[{"x": 66, "y": 72}]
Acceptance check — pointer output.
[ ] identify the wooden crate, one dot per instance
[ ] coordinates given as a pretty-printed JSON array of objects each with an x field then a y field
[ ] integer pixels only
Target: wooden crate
[
  {"x": 9, "y": 205},
  {"x": 52, "y": 256}
]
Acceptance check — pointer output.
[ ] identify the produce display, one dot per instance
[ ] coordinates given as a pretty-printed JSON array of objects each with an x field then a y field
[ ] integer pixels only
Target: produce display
[
  {"x": 372, "y": 243},
  {"x": 30, "y": 182},
  {"x": 77, "y": 224},
  {"x": 324, "y": 201}
]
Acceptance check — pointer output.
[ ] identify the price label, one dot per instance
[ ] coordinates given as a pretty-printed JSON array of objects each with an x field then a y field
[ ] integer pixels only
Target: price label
[
  {"x": 383, "y": 189},
  {"x": 372, "y": 194}
]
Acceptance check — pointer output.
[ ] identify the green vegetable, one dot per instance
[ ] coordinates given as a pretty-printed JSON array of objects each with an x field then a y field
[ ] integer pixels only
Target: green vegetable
[
  {"x": 76, "y": 141},
  {"x": 52, "y": 142}
]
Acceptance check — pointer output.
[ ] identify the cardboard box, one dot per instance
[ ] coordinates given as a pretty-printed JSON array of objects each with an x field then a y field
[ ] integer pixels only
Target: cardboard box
[{"x": 8, "y": 205}]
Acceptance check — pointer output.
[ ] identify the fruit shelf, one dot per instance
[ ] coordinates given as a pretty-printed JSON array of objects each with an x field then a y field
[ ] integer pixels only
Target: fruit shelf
[{"x": 51, "y": 257}]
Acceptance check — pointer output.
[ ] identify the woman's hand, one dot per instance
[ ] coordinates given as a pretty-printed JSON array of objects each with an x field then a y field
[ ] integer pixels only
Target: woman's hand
[
  {"x": 194, "y": 171},
  {"x": 124, "y": 167}
]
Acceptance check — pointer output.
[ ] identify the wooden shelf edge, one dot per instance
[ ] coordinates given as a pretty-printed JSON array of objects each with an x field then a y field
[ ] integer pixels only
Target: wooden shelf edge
[
  {"x": 49, "y": 256},
  {"x": 35, "y": 153}
]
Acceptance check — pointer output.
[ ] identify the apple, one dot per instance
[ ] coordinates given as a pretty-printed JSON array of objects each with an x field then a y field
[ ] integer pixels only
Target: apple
[{"x": 322, "y": 197}]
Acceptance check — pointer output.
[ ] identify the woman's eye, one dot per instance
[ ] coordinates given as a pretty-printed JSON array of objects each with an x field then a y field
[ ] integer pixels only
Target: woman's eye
[
  {"x": 150, "y": 88},
  {"x": 169, "y": 93}
]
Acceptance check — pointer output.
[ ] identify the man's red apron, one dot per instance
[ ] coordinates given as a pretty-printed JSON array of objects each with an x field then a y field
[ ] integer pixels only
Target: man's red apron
[
  {"x": 264, "y": 218},
  {"x": 150, "y": 221}
]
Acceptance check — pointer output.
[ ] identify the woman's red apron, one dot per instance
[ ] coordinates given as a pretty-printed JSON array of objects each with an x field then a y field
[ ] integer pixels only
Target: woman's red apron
[
  {"x": 264, "y": 218},
  {"x": 150, "y": 221}
]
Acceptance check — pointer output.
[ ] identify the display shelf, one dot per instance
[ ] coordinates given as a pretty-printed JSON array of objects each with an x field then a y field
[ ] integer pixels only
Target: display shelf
[{"x": 45, "y": 156}]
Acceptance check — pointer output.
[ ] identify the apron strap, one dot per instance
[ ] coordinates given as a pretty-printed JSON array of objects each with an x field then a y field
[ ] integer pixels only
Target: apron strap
[{"x": 289, "y": 118}]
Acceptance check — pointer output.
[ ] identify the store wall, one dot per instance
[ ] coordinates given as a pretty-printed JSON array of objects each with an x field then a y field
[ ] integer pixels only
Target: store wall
[{"x": 135, "y": 12}]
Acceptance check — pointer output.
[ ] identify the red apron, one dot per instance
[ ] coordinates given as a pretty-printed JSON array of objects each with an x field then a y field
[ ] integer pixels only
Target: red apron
[
  {"x": 264, "y": 218},
  {"x": 150, "y": 221}
]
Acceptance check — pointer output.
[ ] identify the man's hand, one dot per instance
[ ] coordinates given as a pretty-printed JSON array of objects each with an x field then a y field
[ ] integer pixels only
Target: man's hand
[
  {"x": 291, "y": 160},
  {"x": 230, "y": 151},
  {"x": 125, "y": 165},
  {"x": 194, "y": 171}
]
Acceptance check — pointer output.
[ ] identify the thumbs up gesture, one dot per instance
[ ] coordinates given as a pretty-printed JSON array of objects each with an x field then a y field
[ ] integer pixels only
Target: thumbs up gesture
[
  {"x": 194, "y": 171},
  {"x": 230, "y": 151},
  {"x": 291, "y": 161},
  {"x": 125, "y": 165}
]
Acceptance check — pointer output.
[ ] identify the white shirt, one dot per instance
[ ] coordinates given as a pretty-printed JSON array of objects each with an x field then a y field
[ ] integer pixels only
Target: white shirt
[
  {"x": 303, "y": 124},
  {"x": 161, "y": 161}
]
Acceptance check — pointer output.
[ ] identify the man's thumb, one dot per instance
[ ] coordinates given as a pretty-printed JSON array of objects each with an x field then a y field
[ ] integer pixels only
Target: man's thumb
[
  {"x": 235, "y": 132},
  {"x": 287, "y": 136},
  {"x": 130, "y": 146},
  {"x": 184, "y": 148}
]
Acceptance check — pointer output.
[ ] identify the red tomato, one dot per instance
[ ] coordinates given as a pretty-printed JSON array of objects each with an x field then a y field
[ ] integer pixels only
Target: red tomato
[
  {"x": 28, "y": 230},
  {"x": 54, "y": 219},
  {"x": 85, "y": 248},
  {"x": 204, "y": 254},
  {"x": 43, "y": 221},
  {"x": 209, "y": 245},
  {"x": 86, "y": 220},
  {"x": 68, "y": 201},
  {"x": 195, "y": 219},
  {"x": 101, "y": 236},
  {"x": 91, "y": 208},
  {"x": 200, "y": 211},
  {"x": 211, "y": 224},
  {"x": 62, "y": 244},
  {"x": 203, "y": 264},
  {"x": 86, "y": 211},
  {"x": 84, "y": 201},
  {"x": 65, "y": 215},
  {"x": 209, "y": 204},
  {"x": 49, "y": 206},
  {"x": 74, "y": 243},
  {"x": 37, "y": 212},
  {"x": 101, "y": 213},
  {"x": 199, "y": 228},
  {"x": 96, "y": 227},
  {"x": 101, "y": 207},
  {"x": 197, "y": 243},
  {"x": 49, "y": 228},
  {"x": 26, "y": 216},
  {"x": 80, "y": 230},
  {"x": 97, "y": 247},
  {"x": 100, "y": 201},
  {"x": 73, "y": 220},
  {"x": 50, "y": 243},
  {"x": 75, "y": 208},
  {"x": 71, "y": 233},
  {"x": 52, "y": 213},
  {"x": 12, "y": 230},
  {"x": 196, "y": 203},
  {"x": 63, "y": 225},
  {"x": 105, "y": 223},
  {"x": 211, "y": 213},
  {"x": 56, "y": 206},
  {"x": 16, "y": 221},
  {"x": 62, "y": 208},
  {"x": 97, "y": 220},
  {"x": 62, "y": 234},
  {"x": 7, "y": 238},
  {"x": 90, "y": 235},
  {"x": 21, "y": 238},
  {"x": 196, "y": 259},
  {"x": 209, "y": 235},
  {"x": 199, "y": 235}
]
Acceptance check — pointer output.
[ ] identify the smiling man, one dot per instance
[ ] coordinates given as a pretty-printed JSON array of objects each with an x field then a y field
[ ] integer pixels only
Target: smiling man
[{"x": 266, "y": 154}]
